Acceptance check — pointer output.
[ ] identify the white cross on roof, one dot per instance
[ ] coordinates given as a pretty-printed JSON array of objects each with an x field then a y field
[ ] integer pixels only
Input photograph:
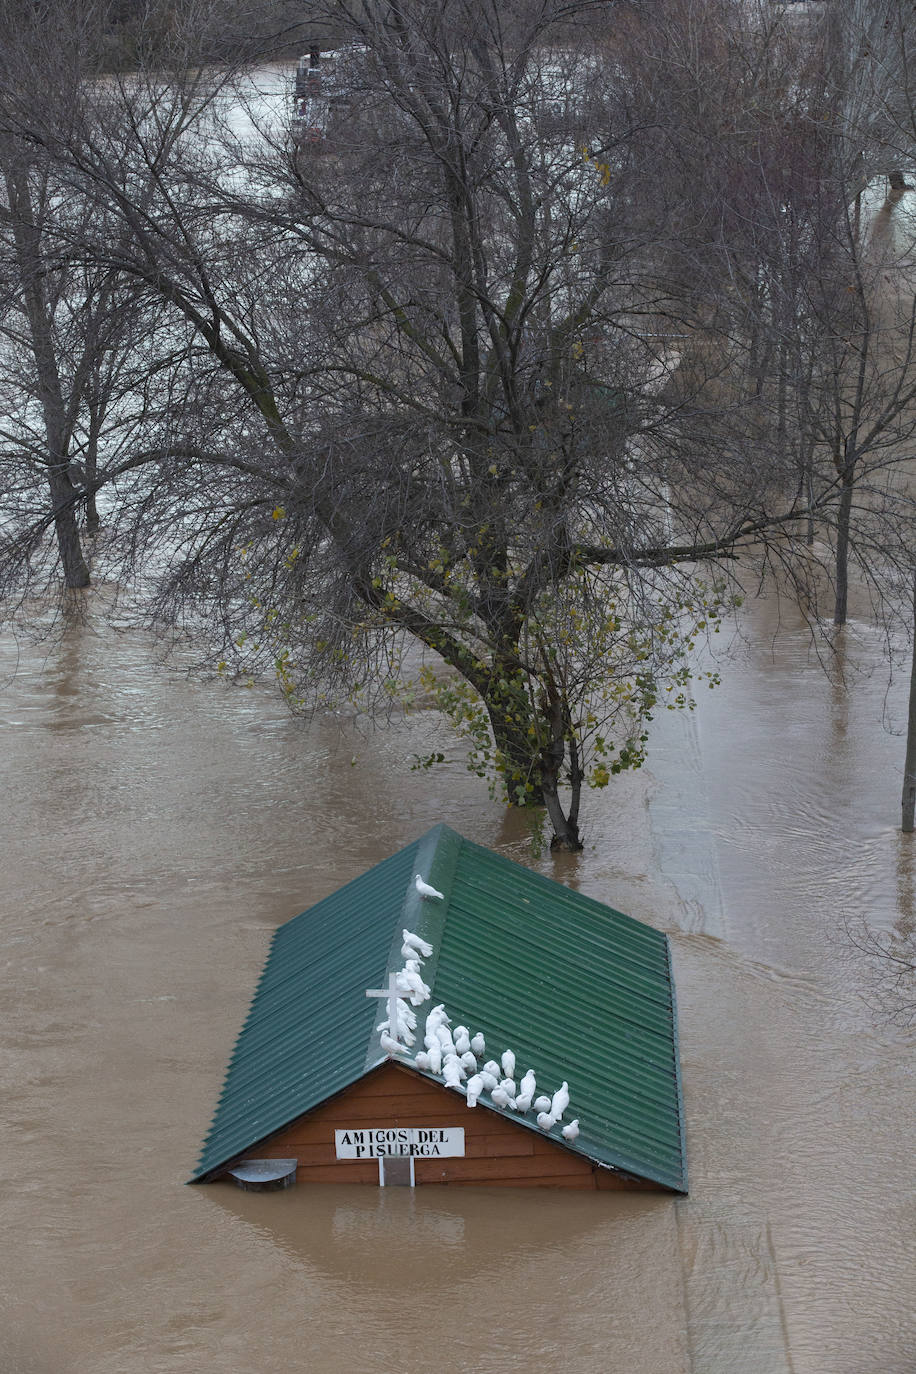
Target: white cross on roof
[{"x": 391, "y": 993}]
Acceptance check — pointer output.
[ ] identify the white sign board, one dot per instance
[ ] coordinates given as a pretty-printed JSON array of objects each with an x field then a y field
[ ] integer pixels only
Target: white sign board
[{"x": 374, "y": 1142}]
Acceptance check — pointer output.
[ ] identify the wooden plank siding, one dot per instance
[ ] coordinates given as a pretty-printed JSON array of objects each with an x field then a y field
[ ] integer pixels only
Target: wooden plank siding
[{"x": 497, "y": 1151}]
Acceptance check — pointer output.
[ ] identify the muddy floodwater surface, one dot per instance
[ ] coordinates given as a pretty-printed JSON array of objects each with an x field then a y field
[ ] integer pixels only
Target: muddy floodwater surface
[{"x": 156, "y": 831}]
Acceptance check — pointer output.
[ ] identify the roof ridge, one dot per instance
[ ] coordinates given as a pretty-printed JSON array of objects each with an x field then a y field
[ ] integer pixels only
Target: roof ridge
[{"x": 436, "y": 861}]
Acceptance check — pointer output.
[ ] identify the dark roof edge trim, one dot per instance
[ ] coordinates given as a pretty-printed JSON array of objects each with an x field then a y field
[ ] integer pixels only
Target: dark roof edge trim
[
  {"x": 681, "y": 1118},
  {"x": 217, "y": 1170}
]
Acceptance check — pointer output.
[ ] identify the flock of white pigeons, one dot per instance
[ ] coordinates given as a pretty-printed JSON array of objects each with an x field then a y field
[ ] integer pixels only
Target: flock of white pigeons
[{"x": 455, "y": 1055}]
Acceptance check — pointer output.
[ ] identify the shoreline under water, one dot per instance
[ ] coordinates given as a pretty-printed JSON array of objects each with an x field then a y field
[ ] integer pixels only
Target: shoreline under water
[{"x": 156, "y": 831}]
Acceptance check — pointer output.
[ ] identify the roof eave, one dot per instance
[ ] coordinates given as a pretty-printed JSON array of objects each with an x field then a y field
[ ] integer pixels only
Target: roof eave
[
  {"x": 627, "y": 1168},
  {"x": 606, "y": 1160},
  {"x": 214, "y": 1171}
]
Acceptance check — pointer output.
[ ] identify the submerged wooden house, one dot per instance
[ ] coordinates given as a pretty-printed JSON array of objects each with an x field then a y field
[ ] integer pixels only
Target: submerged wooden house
[{"x": 571, "y": 990}]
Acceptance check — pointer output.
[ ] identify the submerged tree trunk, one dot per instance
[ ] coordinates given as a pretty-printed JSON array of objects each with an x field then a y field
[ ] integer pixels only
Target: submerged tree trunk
[
  {"x": 844, "y": 513},
  {"x": 76, "y": 569},
  {"x": 92, "y": 517},
  {"x": 809, "y": 497},
  {"x": 909, "y": 766},
  {"x": 565, "y": 827},
  {"x": 553, "y": 756},
  {"x": 92, "y": 468},
  {"x": 40, "y": 316}
]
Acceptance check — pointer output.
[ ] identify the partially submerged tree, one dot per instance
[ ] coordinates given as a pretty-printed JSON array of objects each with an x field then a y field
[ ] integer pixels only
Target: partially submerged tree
[
  {"x": 76, "y": 367},
  {"x": 82, "y": 358},
  {"x": 439, "y": 390},
  {"x": 794, "y": 286},
  {"x": 453, "y": 427}
]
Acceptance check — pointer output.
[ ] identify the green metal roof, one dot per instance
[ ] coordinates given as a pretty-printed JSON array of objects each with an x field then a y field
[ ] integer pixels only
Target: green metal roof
[{"x": 577, "y": 990}]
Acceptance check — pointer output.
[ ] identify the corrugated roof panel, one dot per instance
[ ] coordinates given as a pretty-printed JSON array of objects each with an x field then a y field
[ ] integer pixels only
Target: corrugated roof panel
[
  {"x": 309, "y": 1024},
  {"x": 580, "y": 993},
  {"x": 577, "y": 990}
]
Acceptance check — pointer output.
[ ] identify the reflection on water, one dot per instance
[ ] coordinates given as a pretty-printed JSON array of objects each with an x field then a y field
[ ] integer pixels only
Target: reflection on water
[
  {"x": 156, "y": 831},
  {"x": 469, "y": 1280},
  {"x": 384, "y": 1239}
]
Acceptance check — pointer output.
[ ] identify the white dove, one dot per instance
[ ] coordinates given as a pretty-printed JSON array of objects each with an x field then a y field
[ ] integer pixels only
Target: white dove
[
  {"x": 528, "y": 1084},
  {"x": 492, "y": 1067},
  {"x": 437, "y": 1017},
  {"x": 479, "y": 1045},
  {"x": 454, "y": 1064},
  {"x": 451, "y": 1072},
  {"x": 468, "y": 1060},
  {"x": 500, "y": 1097},
  {"x": 435, "y": 1057},
  {"x": 545, "y": 1121},
  {"x": 522, "y": 1102},
  {"x": 406, "y": 1035},
  {"x": 571, "y": 1131},
  {"x": 445, "y": 1039},
  {"x": 413, "y": 986},
  {"x": 560, "y": 1101},
  {"x": 490, "y": 1081},
  {"x": 475, "y": 1088},
  {"x": 391, "y": 1046},
  {"x": 422, "y": 1060},
  {"x": 508, "y": 1086},
  {"x": 462, "y": 1039},
  {"x": 425, "y": 890},
  {"x": 508, "y": 1063},
  {"x": 542, "y": 1104},
  {"x": 407, "y": 1019},
  {"x": 407, "y": 1014},
  {"x": 414, "y": 945}
]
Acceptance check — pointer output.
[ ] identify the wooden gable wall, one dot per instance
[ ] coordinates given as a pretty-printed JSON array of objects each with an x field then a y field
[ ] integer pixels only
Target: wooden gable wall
[{"x": 497, "y": 1151}]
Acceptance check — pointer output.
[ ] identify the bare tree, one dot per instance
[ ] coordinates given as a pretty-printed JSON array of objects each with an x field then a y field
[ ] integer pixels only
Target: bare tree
[
  {"x": 908, "y": 799},
  {"x": 798, "y": 298},
  {"x": 462, "y": 411},
  {"x": 73, "y": 370},
  {"x": 73, "y": 363},
  {"x": 459, "y": 376},
  {"x": 91, "y": 369}
]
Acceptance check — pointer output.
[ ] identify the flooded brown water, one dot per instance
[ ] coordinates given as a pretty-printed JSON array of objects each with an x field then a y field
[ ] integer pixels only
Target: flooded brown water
[{"x": 155, "y": 831}]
